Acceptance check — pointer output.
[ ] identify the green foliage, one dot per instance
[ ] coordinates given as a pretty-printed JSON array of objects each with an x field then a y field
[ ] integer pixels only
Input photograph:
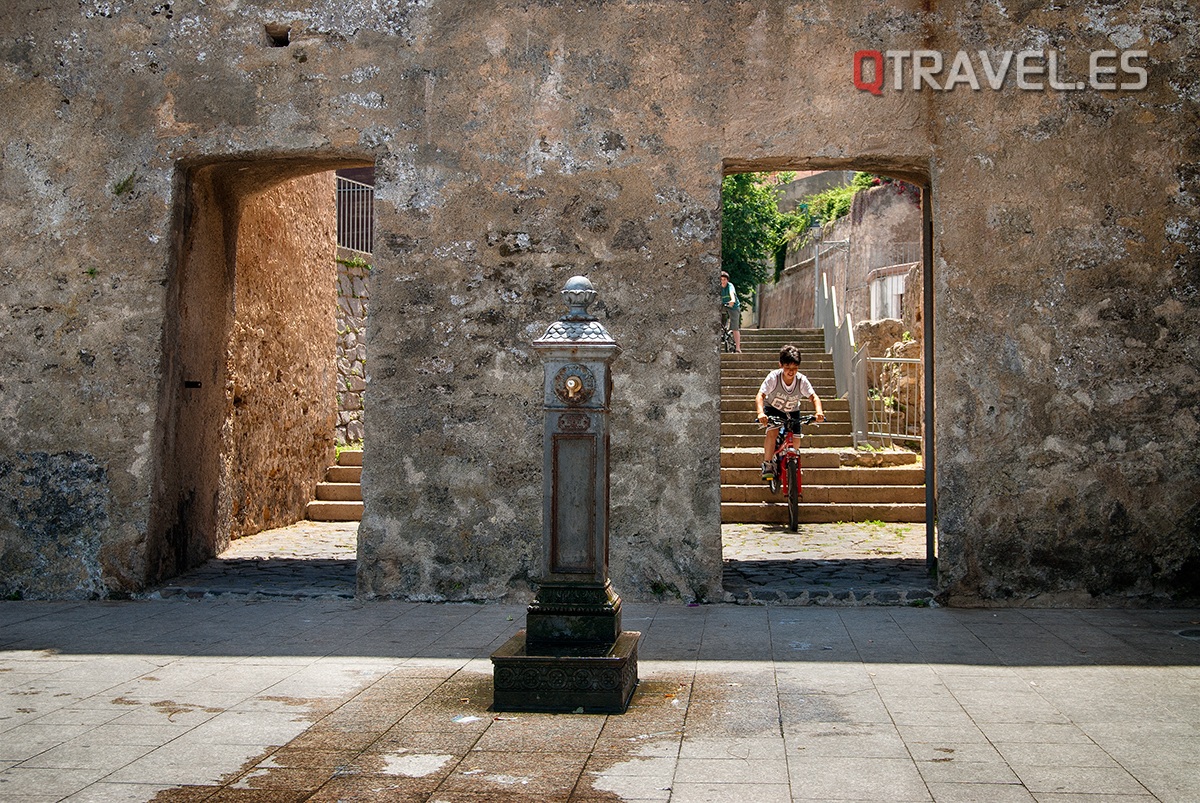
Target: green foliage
[
  {"x": 862, "y": 181},
  {"x": 753, "y": 230},
  {"x": 755, "y": 233},
  {"x": 833, "y": 203},
  {"x": 125, "y": 185},
  {"x": 355, "y": 262},
  {"x": 827, "y": 206}
]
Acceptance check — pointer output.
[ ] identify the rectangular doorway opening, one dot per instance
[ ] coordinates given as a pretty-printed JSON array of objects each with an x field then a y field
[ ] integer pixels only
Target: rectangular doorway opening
[{"x": 835, "y": 255}]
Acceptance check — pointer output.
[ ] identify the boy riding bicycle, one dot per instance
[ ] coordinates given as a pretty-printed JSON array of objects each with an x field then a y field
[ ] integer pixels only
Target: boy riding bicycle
[{"x": 780, "y": 396}]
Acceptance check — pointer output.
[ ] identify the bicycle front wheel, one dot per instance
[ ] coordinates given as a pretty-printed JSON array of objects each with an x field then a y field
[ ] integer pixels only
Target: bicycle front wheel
[{"x": 793, "y": 483}]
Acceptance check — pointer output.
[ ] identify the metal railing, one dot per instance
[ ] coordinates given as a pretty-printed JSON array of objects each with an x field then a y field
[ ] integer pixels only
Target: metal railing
[
  {"x": 881, "y": 255},
  {"x": 885, "y": 393},
  {"x": 894, "y": 400},
  {"x": 355, "y": 215}
]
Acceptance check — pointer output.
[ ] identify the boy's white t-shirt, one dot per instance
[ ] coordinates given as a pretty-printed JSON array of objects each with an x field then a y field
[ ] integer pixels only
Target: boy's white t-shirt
[{"x": 782, "y": 397}]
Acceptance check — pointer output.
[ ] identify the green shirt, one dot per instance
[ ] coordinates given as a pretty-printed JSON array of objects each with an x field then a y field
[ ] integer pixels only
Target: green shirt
[{"x": 728, "y": 294}]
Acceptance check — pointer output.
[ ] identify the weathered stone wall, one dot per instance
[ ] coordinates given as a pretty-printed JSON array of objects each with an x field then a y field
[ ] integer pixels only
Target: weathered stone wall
[
  {"x": 353, "y": 299},
  {"x": 282, "y": 360},
  {"x": 518, "y": 144},
  {"x": 883, "y": 227}
]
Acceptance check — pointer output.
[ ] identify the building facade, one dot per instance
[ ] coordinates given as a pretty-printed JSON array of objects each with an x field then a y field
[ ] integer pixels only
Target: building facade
[{"x": 517, "y": 144}]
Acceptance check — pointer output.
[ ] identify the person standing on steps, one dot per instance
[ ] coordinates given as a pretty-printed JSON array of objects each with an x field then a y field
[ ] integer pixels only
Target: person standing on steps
[
  {"x": 732, "y": 306},
  {"x": 780, "y": 396}
]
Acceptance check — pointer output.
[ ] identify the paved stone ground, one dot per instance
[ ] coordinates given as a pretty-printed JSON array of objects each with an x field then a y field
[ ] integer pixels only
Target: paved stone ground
[
  {"x": 831, "y": 564},
  {"x": 272, "y": 700},
  {"x": 827, "y": 564},
  {"x": 307, "y": 559}
]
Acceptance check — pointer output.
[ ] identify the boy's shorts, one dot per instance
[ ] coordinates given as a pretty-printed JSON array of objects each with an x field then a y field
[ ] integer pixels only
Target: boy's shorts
[
  {"x": 734, "y": 316},
  {"x": 775, "y": 412}
]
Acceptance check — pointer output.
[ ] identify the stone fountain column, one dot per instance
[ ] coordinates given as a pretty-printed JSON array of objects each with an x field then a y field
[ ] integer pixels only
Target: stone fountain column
[{"x": 572, "y": 654}]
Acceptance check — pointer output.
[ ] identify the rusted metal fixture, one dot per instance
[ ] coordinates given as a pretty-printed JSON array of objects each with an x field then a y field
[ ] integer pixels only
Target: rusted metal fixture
[{"x": 572, "y": 654}]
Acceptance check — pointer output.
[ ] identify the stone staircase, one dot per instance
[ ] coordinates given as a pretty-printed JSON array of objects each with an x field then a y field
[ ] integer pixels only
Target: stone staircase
[
  {"x": 339, "y": 497},
  {"x": 840, "y": 483}
]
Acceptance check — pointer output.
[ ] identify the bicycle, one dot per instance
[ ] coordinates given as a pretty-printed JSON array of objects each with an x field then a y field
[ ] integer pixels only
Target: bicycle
[
  {"x": 788, "y": 473},
  {"x": 727, "y": 342}
]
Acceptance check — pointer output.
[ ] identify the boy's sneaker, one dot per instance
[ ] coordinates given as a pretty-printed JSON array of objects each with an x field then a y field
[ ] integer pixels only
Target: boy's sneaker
[{"x": 768, "y": 471}]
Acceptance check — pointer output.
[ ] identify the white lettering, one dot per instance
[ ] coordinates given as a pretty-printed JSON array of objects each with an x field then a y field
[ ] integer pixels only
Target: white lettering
[
  {"x": 995, "y": 77},
  {"x": 1096, "y": 70},
  {"x": 1035, "y": 69},
  {"x": 1025, "y": 69},
  {"x": 897, "y": 58},
  {"x": 1052, "y": 73},
  {"x": 923, "y": 73},
  {"x": 1133, "y": 69},
  {"x": 961, "y": 72}
]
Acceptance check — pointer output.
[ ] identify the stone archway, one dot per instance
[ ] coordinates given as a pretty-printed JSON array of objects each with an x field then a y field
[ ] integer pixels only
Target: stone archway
[{"x": 248, "y": 391}]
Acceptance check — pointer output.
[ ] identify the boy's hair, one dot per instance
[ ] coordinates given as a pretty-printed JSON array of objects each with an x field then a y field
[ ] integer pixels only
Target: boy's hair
[{"x": 789, "y": 355}]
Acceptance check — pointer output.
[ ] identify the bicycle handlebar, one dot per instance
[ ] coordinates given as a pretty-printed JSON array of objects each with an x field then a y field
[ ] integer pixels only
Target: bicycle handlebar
[{"x": 775, "y": 421}]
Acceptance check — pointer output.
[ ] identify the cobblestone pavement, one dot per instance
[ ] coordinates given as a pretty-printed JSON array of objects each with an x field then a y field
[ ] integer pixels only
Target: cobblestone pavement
[
  {"x": 309, "y": 559},
  {"x": 826, "y": 564}
]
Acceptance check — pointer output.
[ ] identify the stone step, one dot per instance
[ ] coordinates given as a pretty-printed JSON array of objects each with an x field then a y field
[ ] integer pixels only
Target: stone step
[
  {"x": 785, "y": 335},
  {"x": 812, "y": 370},
  {"x": 738, "y": 404},
  {"x": 824, "y": 458},
  {"x": 828, "y": 494},
  {"x": 334, "y": 511},
  {"x": 823, "y": 390},
  {"x": 755, "y": 359},
  {"x": 339, "y": 491},
  {"x": 844, "y": 475},
  {"x": 813, "y": 513},
  {"x": 771, "y": 347},
  {"x": 339, "y": 497},
  {"x": 343, "y": 474},
  {"x": 835, "y": 440},
  {"x": 755, "y": 375},
  {"x": 747, "y": 425},
  {"x": 751, "y": 427}
]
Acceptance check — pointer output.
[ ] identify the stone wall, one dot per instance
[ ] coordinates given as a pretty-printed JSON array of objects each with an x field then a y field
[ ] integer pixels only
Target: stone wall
[
  {"x": 353, "y": 297},
  {"x": 281, "y": 353},
  {"x": 883, "y": 227},
  {"x": 518, "y": 144}
]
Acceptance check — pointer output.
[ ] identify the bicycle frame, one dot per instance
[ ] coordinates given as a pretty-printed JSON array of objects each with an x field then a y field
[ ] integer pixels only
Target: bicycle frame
[
  {"x": 727, "y": 342},
  {"x": 785, "y": 451}
]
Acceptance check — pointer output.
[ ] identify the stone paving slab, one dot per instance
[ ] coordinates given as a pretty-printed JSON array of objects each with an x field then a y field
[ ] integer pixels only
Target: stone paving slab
[{"x": 325, "y": 699}]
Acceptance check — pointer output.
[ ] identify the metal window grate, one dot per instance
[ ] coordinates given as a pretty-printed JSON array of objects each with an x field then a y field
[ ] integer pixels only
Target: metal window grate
[{"x": 355, "y": 215}]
